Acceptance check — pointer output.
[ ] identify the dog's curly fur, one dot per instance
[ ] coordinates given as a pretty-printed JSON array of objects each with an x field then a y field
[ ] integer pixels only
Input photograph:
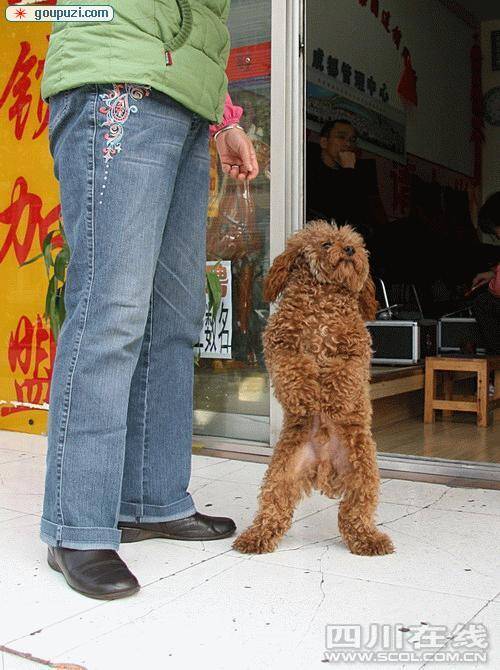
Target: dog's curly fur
[{"x": 317, "y": 350}]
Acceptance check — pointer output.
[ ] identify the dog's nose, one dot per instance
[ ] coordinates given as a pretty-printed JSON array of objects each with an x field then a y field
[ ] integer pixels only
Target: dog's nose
[{"x": 349, "y": 251}]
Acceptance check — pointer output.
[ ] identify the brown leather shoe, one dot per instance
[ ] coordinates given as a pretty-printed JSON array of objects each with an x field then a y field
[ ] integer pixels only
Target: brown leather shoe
[
  {"x": 195, "y": 527},
  {"x": 96, "y": 573}
]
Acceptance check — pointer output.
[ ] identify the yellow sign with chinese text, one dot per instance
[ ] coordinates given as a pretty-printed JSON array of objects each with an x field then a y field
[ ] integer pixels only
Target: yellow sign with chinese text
[{"x": 29, "y": 209}]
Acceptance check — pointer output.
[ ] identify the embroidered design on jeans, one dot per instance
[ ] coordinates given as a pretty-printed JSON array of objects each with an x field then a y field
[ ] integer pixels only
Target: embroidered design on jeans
[{"x": 117, "y": 106}]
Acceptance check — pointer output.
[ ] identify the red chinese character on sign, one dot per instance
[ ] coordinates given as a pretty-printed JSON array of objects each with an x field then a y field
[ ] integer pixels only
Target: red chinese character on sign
[
  {"x": 397, "y": 36},
  {"x": 31, "y": 352},
  {"x": 374, "y": 6},
  {"x": 18, "y": 87},
  {"x": 386, "y": 19},
  {"x": 25, "y": 213}
]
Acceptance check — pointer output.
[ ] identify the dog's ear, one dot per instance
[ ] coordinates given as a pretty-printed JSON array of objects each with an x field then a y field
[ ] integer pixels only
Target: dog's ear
[
  {"x": 279, "y": 271},
  {"x": 367, "y": 301}
]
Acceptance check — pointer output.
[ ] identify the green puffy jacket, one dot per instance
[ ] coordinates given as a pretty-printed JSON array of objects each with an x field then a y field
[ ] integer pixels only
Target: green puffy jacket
[{"x": 133, "y": 48}]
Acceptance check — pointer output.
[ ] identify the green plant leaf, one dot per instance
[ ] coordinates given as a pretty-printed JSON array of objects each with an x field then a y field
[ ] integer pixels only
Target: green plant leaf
[
  {"x": 62, "y": 306},
  {"x": 46, "y": 314},
  {"x": 63, "y": 234},
  {"x": 47, "y": 241},
  {"x": 47, "y": 251},
  {"x": 31, "y": 260},
  {"x": 60, "y": 265},
  {"x": 214, "y": 292},
  {"x": 55, "y": 327},
  {"x": 51, "y": 290},
  {"x": 51, "y": 303},
  {"x": 60, "y": 309},
  {"x": 64, "y": 253}
]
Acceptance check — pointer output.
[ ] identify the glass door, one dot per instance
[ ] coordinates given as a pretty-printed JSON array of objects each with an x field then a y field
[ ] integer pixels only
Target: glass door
[
  {"x": 248, "y": 225},
  {"x": 384, "y": 154}
]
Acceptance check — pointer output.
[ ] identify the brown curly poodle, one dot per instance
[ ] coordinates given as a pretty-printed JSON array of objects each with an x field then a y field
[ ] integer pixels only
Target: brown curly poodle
[{"x": 317, "y": 350}]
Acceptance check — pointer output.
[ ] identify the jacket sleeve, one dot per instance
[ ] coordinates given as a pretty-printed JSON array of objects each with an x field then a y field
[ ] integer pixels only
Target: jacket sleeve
[{"x": 232, "y": 114}]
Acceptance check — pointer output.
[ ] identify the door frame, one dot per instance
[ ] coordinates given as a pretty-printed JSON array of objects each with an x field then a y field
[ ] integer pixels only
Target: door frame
[{"x": 287, "y": 139}]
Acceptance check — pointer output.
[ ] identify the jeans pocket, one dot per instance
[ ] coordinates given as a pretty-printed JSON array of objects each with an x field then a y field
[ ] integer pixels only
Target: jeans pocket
[{"x": 58, "y": 105}]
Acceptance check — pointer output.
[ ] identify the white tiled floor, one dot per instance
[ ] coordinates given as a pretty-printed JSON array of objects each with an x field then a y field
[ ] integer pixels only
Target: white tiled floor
[{"x": 203, "y": 605}]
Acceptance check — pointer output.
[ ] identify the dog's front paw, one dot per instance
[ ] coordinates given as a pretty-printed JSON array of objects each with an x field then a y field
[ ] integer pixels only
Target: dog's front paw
[
  {"x": 375, "y": 544},
  {"x": 251, "y": 541}
]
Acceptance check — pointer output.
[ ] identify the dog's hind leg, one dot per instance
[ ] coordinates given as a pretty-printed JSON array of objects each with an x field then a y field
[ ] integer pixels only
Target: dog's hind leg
[
  {"x": 359, "y": 502},
  {"x": 288, "y": 476}
]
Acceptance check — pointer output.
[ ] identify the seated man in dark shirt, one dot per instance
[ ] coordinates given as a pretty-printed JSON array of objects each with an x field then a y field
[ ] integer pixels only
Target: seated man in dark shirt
[{"x": 337, "y": 183}]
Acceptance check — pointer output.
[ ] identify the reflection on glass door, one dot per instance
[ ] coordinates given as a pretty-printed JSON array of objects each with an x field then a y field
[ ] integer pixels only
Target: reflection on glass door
[
  {"x": 414, "y": 201},
  {"x": 232, "y": 392}
]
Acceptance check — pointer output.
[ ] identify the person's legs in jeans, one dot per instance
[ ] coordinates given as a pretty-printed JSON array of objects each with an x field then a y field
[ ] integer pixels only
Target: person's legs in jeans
[
  {"x": 117, "y": 151},
  {"x": 160, "y": 413}
]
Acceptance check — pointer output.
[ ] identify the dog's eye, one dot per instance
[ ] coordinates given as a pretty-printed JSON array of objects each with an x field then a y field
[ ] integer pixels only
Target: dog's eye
[{"x": 326, "y": 245}]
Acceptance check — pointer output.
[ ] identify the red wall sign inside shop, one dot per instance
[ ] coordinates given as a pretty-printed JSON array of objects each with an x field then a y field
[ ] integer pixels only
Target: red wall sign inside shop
[{"x": 249, "y": 62}]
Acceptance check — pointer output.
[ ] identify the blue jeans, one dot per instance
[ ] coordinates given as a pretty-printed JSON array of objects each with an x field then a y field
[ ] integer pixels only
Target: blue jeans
[{"x": 133, "y": 169}]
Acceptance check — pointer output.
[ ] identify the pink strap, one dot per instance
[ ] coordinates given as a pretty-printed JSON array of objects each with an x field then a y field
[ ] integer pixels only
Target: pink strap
[{"x": 232, "y": 114}]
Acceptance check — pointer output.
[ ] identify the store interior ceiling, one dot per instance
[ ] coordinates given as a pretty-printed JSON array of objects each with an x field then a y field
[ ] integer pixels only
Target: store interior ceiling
[{"x": 483, "y": 10}]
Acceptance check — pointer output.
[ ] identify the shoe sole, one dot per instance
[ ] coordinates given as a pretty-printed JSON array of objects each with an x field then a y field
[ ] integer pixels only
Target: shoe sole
[
  {"x": 110, "y": 596},
  {"x": 139, "y": 534}
]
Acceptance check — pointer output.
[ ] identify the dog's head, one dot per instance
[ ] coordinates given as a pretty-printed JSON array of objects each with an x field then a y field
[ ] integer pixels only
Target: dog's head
[{"x": 331, "y": 254}]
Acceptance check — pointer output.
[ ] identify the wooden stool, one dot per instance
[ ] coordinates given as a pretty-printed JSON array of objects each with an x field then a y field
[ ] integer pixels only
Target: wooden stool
[{"x": 481, "y": 405}]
